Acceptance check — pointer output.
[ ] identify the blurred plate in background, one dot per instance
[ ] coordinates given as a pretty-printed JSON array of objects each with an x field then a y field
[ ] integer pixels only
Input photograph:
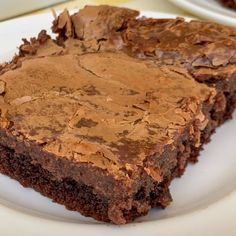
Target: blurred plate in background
[
  {"x": 208, "y": 9},
  {"x": 12, "y": 8}
]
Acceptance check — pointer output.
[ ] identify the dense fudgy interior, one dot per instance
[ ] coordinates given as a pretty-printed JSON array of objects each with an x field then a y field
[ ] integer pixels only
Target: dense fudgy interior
[{"x": 75, "y": 196}]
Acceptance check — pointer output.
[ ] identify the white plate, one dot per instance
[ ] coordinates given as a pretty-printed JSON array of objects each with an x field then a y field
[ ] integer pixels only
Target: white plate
[
  {"x": 204, "y": 198},
  {"x": 208, "y": 9},
  {"x": 17, "y": 7}
]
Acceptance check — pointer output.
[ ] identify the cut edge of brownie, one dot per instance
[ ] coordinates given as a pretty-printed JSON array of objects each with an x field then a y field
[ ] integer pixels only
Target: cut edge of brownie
[{"x": 222, "y": 110}]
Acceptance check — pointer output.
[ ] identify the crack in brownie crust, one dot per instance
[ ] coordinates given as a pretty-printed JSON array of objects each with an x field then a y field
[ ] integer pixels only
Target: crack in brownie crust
[{"x": 121, "y": 104}]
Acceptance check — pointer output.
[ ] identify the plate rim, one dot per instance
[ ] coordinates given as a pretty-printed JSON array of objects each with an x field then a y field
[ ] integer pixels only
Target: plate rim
[{"x": 194, "y": 8}]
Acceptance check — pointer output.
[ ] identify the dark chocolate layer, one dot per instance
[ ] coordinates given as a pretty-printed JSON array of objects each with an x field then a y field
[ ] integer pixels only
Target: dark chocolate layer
[{"x": 229, "y": 3}]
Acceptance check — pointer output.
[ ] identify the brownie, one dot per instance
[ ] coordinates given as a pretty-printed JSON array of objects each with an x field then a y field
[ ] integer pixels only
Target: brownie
[
  {"x": 104, "y": 117},
  {"x": 229, "y": 3}
]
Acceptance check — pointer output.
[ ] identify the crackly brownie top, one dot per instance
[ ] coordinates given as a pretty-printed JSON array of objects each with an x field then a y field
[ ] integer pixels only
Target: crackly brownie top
[
  {"x": 201, "y": 47},
  {"x": 98, "y": 106},
  {"x": 106, "y": 108}
]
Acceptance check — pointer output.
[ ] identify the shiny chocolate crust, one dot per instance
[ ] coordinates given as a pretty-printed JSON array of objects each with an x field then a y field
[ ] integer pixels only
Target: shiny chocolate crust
[
  {"x": 207, "y": 51},
  {"x": 117, "y": 104}
]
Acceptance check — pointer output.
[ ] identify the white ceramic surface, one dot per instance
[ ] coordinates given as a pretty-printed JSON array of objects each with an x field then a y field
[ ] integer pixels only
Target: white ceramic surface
[
  {"x": 204, "y": 198},
  {"x": 9, "y": 8},
  {"x": 208, "y": 9}
]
